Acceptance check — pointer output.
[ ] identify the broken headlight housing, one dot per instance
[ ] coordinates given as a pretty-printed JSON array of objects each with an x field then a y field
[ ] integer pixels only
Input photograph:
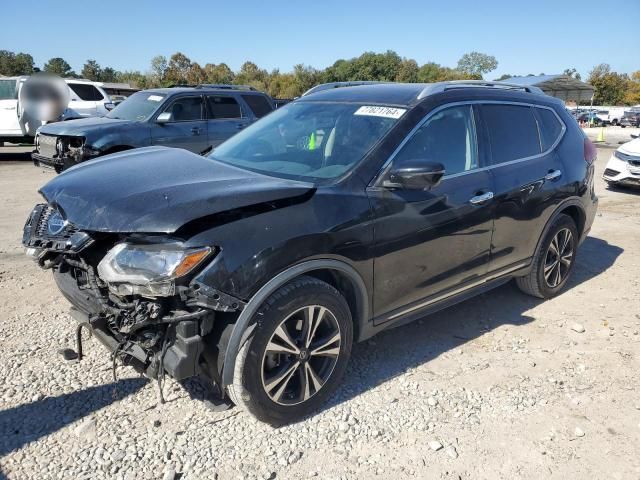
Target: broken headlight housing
[{"x": 148, "y": 270}]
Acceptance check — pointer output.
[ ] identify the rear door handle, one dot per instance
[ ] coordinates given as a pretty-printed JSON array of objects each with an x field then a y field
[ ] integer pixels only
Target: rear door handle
[
  {"x": 241, "y": 126},
  {"x": 195, "y": 130},
  {"x": 553, "y": 175},
  {"x": 480, "y": 199}
]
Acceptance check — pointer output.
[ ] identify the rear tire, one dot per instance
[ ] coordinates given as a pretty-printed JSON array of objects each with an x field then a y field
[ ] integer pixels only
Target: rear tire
[
  {"x": 297, "y": 353},
  {"x": 554, "y": 261}
]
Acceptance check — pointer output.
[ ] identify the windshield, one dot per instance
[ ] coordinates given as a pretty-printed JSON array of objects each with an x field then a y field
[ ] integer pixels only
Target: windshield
[
  {"x": 8, "y": 90},
  {"x": 309, "y": 140},
  {"x": 138, "y": 106}
]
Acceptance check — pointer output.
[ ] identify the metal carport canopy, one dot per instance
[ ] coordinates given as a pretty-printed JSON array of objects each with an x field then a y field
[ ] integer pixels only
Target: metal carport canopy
[{"x": 563, "y": 87}]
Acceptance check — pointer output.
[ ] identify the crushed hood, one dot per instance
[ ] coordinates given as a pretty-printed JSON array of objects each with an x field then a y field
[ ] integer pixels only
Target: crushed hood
[
  {"x": 82, "y": 127},
  {"x": 158, "y": 190}
]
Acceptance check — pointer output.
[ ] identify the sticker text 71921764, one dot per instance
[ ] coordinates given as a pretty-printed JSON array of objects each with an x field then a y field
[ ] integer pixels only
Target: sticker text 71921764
[{"x": 377, "y": 111}]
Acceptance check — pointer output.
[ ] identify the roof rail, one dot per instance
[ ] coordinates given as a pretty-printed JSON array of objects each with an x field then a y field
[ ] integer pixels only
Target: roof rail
[
  {"x": 225, "y": 86},
  {"x": 443, "y": 86},
  {"x": 330, "y": 85}
]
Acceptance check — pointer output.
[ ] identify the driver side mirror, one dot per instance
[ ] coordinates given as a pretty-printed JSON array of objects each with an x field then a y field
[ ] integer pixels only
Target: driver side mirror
[
  {"x": 415, "y": 175},
  {"x": 164, "y": 117}
]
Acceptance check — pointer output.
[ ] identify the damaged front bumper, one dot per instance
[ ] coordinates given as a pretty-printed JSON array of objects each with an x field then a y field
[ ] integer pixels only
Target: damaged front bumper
[
  {"x": 61, "y": 152},
  {"x": 179, "y": 360},
  {"x": 58, "y": 164},
  {"x": 171, "y": 335}
]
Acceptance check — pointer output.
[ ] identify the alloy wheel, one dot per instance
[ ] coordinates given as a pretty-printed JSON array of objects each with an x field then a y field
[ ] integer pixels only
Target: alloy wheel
[
  {"x": 301, "y": 355},
  {"x": 559, "y": 257}
]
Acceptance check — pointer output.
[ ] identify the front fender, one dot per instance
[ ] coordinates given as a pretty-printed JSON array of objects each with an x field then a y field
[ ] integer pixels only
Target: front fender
[
  {"x": 244, "y": 319},
  {"x": 132, "y": 137}
]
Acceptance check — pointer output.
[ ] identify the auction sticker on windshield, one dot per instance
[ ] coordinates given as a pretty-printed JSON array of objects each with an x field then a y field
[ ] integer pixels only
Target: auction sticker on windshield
[
  {"x": 155, "y": 98},
  {"x": 386, "y": 112}
]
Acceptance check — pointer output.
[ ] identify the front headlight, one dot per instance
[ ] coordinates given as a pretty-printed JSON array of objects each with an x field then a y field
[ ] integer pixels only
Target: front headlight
[{"x": 152, "y": 267}]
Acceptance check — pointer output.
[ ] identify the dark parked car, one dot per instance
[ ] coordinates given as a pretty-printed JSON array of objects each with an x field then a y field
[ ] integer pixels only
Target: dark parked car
[
  {"x": 631, "y": 118},
  {"x": 339, "y": 215},
  {"x": 196, "y": 119},
  {"x": 589, "y": 117}
]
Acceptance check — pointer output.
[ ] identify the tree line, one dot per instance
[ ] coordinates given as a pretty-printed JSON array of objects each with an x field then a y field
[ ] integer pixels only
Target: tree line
[
  {"x": 179, "y": 69},
  {"x": 612, "y": 88}
]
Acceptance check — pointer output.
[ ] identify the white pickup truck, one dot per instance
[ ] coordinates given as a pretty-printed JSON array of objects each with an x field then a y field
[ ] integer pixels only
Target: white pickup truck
[
  {"x": 611, "y": 115},
  {"x": 86, "y": 99}
]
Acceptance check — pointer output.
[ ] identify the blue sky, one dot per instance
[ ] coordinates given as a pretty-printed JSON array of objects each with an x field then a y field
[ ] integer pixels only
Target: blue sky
[{"x": 525, "y": 36}]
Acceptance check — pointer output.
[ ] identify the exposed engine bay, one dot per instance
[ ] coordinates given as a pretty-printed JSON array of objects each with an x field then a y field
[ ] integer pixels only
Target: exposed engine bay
[{"x": 136, "y": 295}]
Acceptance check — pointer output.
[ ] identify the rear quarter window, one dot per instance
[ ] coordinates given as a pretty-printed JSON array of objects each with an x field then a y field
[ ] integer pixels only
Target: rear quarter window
[
  {"x": 550, "y": 127},
  {"x": 513, "y": 132},
  {"x": 258, "y": 104},
  {"x": 85, "y": 91}
]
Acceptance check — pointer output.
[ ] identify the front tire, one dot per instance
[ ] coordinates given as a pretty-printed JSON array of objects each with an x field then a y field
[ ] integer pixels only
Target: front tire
[
  {"x": 554, "y": 261},
  {"x": 296, "y": 353}
]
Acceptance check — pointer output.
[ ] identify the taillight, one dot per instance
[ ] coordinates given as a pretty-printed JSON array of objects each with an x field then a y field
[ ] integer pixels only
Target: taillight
[{"x": 590, "y": 151}]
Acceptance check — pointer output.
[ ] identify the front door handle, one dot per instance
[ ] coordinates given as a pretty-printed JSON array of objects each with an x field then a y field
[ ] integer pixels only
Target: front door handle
[
  {"x": 553, "y": 175},
  {"x": 195, "y": 130},
  {"x": 480, "y": 199},
  {"x": 241, "y": 126}
]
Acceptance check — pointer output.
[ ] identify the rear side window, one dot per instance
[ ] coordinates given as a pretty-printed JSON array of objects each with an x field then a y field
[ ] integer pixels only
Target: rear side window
[
  {"x": 258, "y": 104},
  {"x": 223, "y": 107},
  {"x": 85, "y": 91},
  {"x": 550, "y": 127},
  {"x": 513, "y": 132}
]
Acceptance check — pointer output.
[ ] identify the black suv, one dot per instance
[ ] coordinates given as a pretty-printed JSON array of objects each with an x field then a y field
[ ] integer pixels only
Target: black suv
[
  {"x": 344, "y": 213},
  {"x": 196, "y": 119}
]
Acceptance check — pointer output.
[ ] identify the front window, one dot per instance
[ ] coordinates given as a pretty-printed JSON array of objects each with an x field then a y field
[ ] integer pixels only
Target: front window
[
  {"x": 447, "y": 137},
  {"x": 8, "y": 90},
  {"x": 137, "y": 107},
  {"x": 309, "y": 140}
]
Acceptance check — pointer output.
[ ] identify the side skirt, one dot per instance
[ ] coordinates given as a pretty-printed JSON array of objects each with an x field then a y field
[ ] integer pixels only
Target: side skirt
[{"x": 442, "y": 300}]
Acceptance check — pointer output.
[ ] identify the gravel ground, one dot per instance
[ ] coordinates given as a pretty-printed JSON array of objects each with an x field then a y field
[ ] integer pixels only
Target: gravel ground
[{"x": 501, "y": 386}]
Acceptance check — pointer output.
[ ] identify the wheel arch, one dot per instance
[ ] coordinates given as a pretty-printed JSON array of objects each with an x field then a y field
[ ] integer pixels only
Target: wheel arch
[
  {"x": 339, "y": 274},
  {"x": 571, "y": 207},
  {"x": 576, "y": 212}
]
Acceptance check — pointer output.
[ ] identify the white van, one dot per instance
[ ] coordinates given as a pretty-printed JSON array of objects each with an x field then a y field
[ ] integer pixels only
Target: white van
[{"x": 86, "y": 99}]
